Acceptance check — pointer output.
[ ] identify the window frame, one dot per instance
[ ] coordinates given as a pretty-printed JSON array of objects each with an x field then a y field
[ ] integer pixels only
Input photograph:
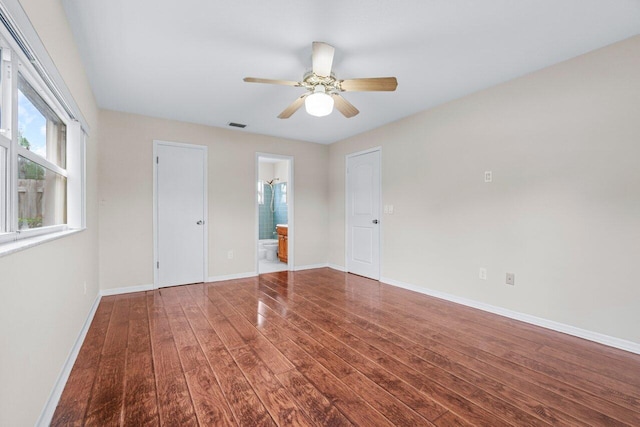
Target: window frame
[
  {"x": 13, "y": 64},
  {"x": 260, "y": 191}
]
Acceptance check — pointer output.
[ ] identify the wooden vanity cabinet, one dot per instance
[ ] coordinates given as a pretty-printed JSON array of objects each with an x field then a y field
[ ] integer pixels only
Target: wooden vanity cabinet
[{"x": 283, "y": 243}]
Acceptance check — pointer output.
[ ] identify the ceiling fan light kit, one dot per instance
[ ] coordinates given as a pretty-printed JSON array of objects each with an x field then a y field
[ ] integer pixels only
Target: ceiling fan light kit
[
  {"x": 323, "y": 89},
  {"x": 319, "y": 104}
]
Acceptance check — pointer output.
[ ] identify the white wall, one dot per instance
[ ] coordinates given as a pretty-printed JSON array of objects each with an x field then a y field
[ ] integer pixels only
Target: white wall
[
  {"x": 42, "y": 301},
  {"x": 562, "y": 213},
  {"x": 265, "y": 171},
  {"x": 271, "y": 170},
  {"x": 281, "y": 171},
  {"x": 126, "y": 193}
]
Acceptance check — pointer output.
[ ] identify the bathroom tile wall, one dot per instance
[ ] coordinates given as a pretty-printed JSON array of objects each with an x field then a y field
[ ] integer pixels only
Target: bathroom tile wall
[
  {"x": 280, "y": 215},
  {"x": 266, "y": 217}
]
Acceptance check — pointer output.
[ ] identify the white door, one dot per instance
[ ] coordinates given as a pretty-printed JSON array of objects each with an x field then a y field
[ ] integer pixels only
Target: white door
[
  {"x": 363, "y": 214},
  {"x": 180, "y": 213}
]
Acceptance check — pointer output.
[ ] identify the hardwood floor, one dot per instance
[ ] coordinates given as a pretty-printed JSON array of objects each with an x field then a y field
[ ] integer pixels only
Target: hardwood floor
[{"x": 320, "y": 347}]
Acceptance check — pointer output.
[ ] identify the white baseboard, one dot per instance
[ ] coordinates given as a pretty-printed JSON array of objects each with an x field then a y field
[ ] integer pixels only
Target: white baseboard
[
  {"x": 337, "y": 267},
  {"x": 232, "y": 276},
  {"x": 52, "y": 402},
  {"x": 610, "y": 341},
  {"x": 125, "y": 290},
  {"x": 309, "y": 267}
]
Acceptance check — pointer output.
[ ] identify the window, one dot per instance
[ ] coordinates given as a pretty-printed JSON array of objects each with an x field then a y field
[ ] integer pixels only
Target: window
[
  {"x": 260, "y": 193},
  {"x": 42, "y": 182},
  {"x": 40, "y": 130},
  {"x": 3, "y": 188},
  {"x": 41, "y": 153}
]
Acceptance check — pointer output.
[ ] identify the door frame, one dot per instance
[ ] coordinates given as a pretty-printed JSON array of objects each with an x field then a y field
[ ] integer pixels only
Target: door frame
[
  {"x": 205, "y": 229},
  {"x": 290, "y": 210},
  {"x": 346, "y": 207}
]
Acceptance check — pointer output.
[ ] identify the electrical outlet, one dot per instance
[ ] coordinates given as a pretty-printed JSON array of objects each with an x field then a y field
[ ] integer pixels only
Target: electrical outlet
[
  {"x": 488, "y": 176},
  {"x": 511, "y": 279},
  {"x": 386, "y": 209},
  {"x": 483, "y": 273},
  {"x": 230, "y": 254}
]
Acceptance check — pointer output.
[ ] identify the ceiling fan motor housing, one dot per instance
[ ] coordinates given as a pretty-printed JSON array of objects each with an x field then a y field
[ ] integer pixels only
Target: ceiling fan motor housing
[{"x": 311, "y": 80}]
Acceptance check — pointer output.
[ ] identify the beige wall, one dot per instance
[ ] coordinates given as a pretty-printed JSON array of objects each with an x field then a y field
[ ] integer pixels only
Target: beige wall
[
  {"x": 42, "y": 301},
  {"x": 126, "y": 196},
  {"x": 562, "y": 212}
]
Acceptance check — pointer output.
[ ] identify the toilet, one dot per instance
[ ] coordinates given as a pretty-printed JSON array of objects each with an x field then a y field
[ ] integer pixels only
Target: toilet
[{"x": 268, "y": 249}]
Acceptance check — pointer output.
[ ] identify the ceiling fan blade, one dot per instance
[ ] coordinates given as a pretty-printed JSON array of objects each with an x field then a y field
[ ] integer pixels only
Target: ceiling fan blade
[
  {"x": 369, "y": 84},
  {"x": 293, "y": 107},
  {"x": 271, "y": 81},
  {"x": 344, "y": 106},
  {"x": 322, "y": 58}
]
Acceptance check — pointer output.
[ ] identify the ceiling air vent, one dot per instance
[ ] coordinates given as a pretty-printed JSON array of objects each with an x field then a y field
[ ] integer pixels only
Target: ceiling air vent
[{"x": 237, "y": 125}]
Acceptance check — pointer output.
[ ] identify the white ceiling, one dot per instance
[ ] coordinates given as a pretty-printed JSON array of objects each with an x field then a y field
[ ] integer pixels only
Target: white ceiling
[{"x": 185, "y": 60}]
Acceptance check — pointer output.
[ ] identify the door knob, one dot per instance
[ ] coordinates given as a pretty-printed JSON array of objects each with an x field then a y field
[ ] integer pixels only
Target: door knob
[
  {"x": 200, "y": 222},
  {"x": 375, "y": 221}
]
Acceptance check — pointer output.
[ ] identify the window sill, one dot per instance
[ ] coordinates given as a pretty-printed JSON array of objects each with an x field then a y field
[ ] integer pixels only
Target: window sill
[{"x": 19, "y": 245}]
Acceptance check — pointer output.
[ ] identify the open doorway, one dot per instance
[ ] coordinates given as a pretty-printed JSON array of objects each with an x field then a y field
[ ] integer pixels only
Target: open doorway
[{"x": 274, "y": 210}]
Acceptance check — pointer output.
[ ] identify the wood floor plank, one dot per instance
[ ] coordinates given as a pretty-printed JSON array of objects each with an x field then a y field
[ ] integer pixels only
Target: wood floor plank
[
  {"x": 189, "y": 349},
  {"x": 277, "y": 400},
  {"x": 208, "y": 399},
  {"x": 210, "y": 405},
  {"x": 271, "y": 356},
  {"x": 620, "y": 412},
  {"x": 606, "y": 409},
  {"x": 225, "y": 330},
  {"x": 327, "y": 358},
  {"x": 549, "y": 383},
  {"x": 75, "y": 397},
  {"x": 448, "y": 360},
  {"x": 174, "y": 402},
  {"x": 350, "y": 404},
  {"x": 450, "y": 419},
  {"x": 441, "y": 394},
  {"x": 321, "y": 347},
  {"x": 604, "y": 365},
  {"x": 525, "y": 350},
  {"x": 406, "y": 393},
  {"x": 140, "y": 402},
  {"x": 117, "y": 334},
  {"x": 246, "y": 407},
  {"x": 383, "y": 402},
  {"x": 107, "y": 395},
  {"x": 311, "y": 400}
]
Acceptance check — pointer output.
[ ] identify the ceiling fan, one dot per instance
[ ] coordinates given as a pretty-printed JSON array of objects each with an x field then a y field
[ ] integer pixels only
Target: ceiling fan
[{"x": 323, "y": 89}]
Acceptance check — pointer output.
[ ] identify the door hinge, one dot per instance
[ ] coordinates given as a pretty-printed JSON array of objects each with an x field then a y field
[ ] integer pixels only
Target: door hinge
[
  {"x": 158, "y": 264},
  {"x": 157, "y": 160}
]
